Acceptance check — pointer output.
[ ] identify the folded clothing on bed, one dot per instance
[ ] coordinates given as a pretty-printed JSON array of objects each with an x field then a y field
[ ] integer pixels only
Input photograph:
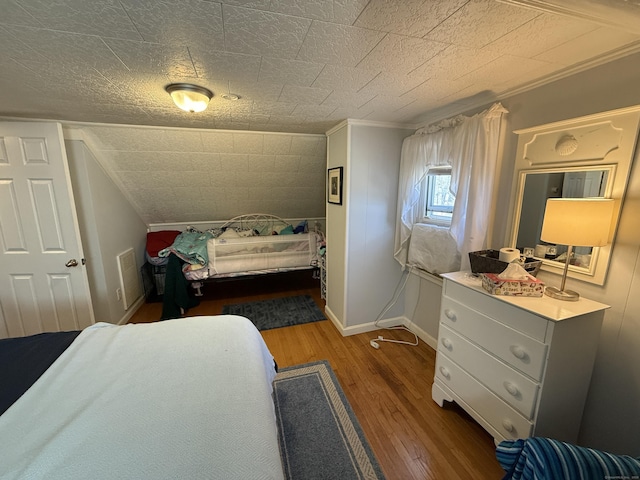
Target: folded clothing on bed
[
  {"x": 190, "y": 246},
  {"x": 539, "y": 458},
  {"x": 157, "y": 241}
]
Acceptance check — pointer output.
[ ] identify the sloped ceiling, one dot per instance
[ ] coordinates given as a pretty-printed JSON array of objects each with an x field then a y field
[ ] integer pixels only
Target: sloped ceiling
[
  {"x": 196, "y": 175},
  {"x": 297, "y": 65}
]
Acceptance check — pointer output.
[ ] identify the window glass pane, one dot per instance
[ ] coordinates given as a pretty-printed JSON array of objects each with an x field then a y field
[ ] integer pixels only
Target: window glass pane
[{"x": 439, "y": 199}]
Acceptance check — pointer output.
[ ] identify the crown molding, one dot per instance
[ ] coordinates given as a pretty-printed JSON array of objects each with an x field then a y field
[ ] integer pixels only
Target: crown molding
[
  {"x": 621, "y": 14},
  {"x": 77, "y": 124},
  {"x": 453, "y": 109},
  {"x": 370, "y": 123},
  {"x": 574, "y": 69}
]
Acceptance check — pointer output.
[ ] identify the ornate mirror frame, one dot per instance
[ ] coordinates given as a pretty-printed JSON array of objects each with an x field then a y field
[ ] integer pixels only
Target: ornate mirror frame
[{"x": 604, "y": 141}]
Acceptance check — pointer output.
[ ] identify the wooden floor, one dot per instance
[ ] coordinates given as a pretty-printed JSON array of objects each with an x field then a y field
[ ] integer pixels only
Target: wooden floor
[{"x": 389, "y": 388}]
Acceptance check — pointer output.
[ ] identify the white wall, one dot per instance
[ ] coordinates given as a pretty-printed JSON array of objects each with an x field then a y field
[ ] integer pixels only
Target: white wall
[
  {"x": 336, "y": 232},
  {"x": 362, "y": 274},
  {"x": 373, "y": 274},
  {"x": 422, "y": 306},
  {"x": 108, "y": 226},
  {"x": 612, "y": 417}
]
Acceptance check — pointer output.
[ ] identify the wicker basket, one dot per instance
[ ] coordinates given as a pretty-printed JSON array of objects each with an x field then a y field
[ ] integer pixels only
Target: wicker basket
[{"x": 488, "y": 261}]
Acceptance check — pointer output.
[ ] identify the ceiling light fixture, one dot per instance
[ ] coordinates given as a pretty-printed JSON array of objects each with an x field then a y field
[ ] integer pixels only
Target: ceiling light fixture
[{"x": 189, "y": 97}]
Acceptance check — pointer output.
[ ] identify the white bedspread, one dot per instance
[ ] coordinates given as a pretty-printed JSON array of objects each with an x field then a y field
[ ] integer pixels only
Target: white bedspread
[{"x": 181, "y": 399}]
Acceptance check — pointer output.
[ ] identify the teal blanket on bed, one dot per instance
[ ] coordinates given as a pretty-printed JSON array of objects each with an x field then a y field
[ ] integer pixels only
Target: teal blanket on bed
[{"x": 190, "y": 246}]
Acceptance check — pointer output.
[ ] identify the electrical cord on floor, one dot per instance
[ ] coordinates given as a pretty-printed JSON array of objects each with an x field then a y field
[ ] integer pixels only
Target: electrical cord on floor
[{"x": 374, "y": 342}]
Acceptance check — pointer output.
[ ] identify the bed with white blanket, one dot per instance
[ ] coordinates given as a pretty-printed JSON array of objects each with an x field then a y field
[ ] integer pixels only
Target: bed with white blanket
[
  {"x": 245, "y": 245},
  {"x": 180, "y": 399}
]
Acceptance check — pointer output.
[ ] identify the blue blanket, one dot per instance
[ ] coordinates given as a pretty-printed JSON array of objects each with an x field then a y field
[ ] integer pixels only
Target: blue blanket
[
  {"x": 540, "y": 458},
  {"x": 24, "y": 359}
]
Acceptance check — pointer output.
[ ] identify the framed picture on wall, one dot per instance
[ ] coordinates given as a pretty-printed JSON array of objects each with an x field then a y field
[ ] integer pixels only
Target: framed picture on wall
[{"x": 334, "y": 185}]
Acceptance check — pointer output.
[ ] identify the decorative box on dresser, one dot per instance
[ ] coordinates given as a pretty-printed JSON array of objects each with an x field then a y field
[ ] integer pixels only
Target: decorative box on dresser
[{"x": 520, "y": 366}]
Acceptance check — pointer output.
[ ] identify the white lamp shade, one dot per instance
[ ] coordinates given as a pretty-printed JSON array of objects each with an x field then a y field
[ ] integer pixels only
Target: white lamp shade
[
  {"x": 584, "y": 222},
  {"x": 190, "y": 98}
]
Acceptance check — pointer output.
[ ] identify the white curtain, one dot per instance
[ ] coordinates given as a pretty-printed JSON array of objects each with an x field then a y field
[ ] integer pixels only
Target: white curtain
[{"x": 470, "y": 146}]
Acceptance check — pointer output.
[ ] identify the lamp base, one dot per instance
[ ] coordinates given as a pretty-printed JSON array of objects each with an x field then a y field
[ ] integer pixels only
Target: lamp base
[{"x": 567, "y": 295}]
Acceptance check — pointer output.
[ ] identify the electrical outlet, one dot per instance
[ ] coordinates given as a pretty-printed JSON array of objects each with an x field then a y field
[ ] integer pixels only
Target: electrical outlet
[{"x": 119, "y": 293}]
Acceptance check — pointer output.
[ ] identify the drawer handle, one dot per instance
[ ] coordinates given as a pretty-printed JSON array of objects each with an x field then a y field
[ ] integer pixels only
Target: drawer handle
[
  {"x": 518, "y": 352},
  {"x": 445, "y": 373},
  {"x": 512, "y": 389},
  {"x": 450, "y": 314},
  {"x": 447, "y": 343},
  {"x": 508, "y": 426}
]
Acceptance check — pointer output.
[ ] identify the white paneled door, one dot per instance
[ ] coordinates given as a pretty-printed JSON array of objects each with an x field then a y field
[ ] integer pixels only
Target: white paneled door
[{"x": 43, "y": 279}]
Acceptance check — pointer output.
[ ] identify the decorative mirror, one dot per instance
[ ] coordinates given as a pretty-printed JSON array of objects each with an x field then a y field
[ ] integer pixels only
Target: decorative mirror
[{"x": 584, "y": 157}]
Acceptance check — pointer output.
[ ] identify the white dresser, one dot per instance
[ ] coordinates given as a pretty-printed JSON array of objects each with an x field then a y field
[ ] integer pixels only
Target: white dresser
[{"x": 520, "y": 366}]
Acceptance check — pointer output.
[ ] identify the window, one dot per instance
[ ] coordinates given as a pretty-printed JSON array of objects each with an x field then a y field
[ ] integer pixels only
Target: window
[{"x": 439, "y": 201}]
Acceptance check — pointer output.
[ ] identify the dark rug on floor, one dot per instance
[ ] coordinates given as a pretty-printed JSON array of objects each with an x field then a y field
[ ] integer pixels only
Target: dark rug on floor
[
  {"x": 277, "y": 312},
  {"x": 320, "y": 437}
]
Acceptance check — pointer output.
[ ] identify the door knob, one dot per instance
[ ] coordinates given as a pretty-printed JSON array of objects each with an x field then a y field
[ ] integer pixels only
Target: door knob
[{"x": 71, "y": 263}]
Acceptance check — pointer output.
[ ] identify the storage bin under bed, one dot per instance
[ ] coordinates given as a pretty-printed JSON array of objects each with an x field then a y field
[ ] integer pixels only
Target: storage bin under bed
[{"x": 153, "y": 277}]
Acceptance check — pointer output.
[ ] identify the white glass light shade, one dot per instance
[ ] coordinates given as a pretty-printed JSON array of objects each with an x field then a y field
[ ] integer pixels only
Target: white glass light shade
[
  {"x": 190, "y": 98},
  {"x": 584, "y": 222}
]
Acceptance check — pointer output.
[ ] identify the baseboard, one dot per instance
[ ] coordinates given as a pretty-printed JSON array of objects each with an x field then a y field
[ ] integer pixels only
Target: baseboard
[
  {"x": 387, "y": 322},
  {"x": 129, "y": 313},
  {"x": 422, "y": 334},
  {"x": 333, "y": 319}
]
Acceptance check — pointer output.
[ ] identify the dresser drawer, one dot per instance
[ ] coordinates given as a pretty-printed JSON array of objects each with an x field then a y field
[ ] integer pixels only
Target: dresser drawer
[
  {"x": 516, "y": 349},
  {"x": 507, "y": 421},
  {"x": 521, "y": 320},
  {"x": 513, "y": 387}
]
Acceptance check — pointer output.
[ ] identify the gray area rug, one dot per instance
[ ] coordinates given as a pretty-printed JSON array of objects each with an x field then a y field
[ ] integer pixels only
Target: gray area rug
[
  {"x": 320, "y": 437},
  {"x": 277, "y": 312}
]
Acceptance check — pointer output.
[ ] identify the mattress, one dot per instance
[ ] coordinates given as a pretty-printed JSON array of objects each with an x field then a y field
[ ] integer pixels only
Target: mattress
[{"x": 186, "y": 398}]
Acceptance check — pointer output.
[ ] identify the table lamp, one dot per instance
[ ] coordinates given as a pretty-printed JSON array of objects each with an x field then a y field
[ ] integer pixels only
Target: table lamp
[{"x": 575, "y": 222}]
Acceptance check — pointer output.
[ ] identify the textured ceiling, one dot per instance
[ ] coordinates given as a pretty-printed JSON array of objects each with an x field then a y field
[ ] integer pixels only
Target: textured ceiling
[
  {"x": 297, "y": 65},
  {"x": 197, "y": 175}
]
